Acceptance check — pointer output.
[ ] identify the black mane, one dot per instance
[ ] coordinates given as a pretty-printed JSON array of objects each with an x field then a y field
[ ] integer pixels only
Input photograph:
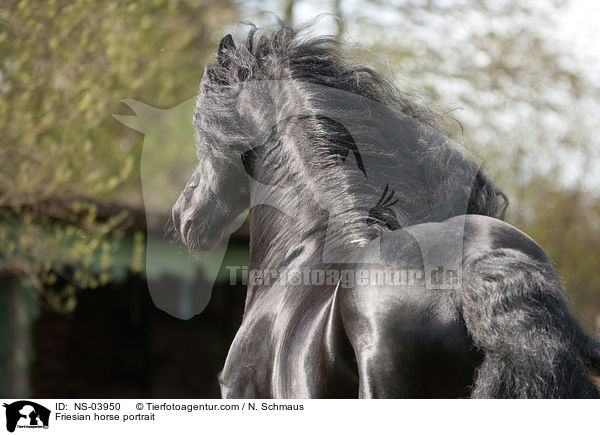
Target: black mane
[{"x": 284, "y": 54}]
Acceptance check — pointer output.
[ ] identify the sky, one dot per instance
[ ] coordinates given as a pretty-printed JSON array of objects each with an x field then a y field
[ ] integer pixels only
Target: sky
[{"x": 581, "y": 30}]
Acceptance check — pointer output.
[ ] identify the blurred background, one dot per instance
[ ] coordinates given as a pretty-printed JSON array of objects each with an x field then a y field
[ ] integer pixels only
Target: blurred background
[{"x": 76, "y": 316}]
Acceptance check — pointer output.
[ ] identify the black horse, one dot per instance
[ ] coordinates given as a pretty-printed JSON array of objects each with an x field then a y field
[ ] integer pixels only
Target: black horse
[{"x": 378, "y": 266}]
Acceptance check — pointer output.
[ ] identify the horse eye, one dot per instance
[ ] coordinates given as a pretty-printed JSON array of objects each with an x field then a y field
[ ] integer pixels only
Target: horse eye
[{"x": 247, "y": 159}]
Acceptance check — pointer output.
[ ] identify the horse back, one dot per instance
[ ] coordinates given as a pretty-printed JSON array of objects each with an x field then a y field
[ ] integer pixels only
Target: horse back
[{"x": 406, "y": 327}]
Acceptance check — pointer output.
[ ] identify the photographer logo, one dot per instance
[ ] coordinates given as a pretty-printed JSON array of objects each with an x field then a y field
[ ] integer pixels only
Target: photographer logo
[{"x": 25, "y": 414}]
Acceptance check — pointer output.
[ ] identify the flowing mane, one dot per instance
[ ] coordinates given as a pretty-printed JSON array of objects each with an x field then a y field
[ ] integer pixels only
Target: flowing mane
[{"x": 423, "y": 176}]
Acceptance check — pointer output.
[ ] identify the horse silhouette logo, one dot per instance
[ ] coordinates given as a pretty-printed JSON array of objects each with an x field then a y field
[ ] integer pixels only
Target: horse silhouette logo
[
  {"x": 168, "y": 158},
  {"x": 26, "y": 414}
]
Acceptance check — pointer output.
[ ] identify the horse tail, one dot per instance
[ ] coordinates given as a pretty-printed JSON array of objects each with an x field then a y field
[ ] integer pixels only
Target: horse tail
[{"x": 517, "y": 315}]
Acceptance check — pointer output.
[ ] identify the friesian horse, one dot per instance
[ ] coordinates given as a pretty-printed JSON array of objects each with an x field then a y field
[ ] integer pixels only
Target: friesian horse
[{"x": 346, "y": 177}]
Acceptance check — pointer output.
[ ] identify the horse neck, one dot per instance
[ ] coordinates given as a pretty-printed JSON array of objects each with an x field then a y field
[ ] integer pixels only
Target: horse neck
[{"x": 290, "y": 229}]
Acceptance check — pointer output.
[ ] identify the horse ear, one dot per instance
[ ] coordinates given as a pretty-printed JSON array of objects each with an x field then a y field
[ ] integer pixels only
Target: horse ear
[{"x": 225, "y": 45}]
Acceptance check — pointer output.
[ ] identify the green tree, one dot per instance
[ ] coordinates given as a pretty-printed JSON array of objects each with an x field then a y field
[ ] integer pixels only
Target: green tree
[{"x": 64, "y": 66}]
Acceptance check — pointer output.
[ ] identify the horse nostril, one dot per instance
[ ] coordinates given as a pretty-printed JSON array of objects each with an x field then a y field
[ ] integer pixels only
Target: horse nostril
[{"x": 186, "y": 226}]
